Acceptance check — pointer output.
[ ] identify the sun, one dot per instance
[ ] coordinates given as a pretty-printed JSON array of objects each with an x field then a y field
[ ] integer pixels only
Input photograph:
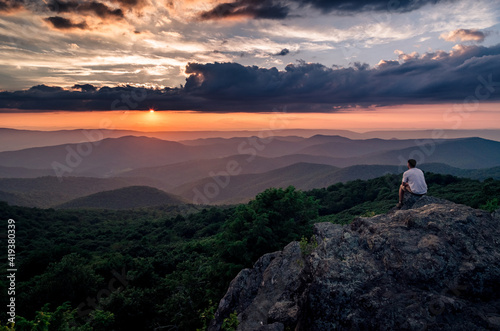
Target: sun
[{"x": 151, "y": 110}]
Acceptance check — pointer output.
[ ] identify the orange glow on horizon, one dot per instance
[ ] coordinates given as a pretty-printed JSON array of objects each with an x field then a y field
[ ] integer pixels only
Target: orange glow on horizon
[{"x": 409, "y": 117}]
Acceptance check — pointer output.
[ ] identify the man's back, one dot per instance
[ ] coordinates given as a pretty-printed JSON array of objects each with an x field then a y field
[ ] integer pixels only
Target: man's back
[{"x": 415, "y": 178}]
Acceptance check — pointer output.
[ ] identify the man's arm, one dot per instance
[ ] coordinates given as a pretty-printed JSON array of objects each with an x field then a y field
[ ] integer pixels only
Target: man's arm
[{"x": 405, "y": 179}]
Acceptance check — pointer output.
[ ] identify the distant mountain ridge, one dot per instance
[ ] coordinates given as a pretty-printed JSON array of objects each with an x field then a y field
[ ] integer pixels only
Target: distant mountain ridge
[
  {"x": 306, "y": 176},
  {"x": 125, "y": 198},
  {"x": 113, "y": 157},
  {"x": 48, "y": 191},
  {"x": 110, "y": 155},
  {"x": 20, "y": 172},
  {"x": 189, "y": 171},
  {"x": 198, "y": 170},
  {"x": 241, "y": 188},
  {"x": 15, "y": 139},
  {"x": 467, "y": 153}
]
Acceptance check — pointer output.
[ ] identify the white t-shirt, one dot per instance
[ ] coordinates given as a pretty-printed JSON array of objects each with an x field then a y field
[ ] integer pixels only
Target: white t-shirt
[{"x": 415, "y": 178}]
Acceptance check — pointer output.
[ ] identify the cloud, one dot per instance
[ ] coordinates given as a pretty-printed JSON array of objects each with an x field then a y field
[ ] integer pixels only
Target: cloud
[
  {"x": 464, "y": 35},
  {"x": 101, "y": 10},
  {"x": 84, "y": 87},
  {"x": 266, "y": 9},
  {"x": 7, "y": 6},
  {"x": 132, "y": 3},
  {"x": 87, "y": 7},
  {"x": 45, "y": 89},
  {"x": 283, "y": 52},
  {"x": 430, "y": 78},
  {"x": 48, "y": 98},
  {"x": 62, "y": 23},
  {"x": 387, "y": 63},
  {"x": 278, "y": 9},
  {"x": 352, "y": 6}
]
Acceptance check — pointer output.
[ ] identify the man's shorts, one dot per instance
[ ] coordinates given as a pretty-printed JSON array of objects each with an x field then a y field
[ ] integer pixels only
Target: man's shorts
[{"x": 408, "y": 189}]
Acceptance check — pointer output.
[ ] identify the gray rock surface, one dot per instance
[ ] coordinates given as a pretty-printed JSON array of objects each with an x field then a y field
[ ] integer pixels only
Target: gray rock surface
[
  {"x": 413, "y": 201},
  {"x": 432, "y": 266},
  {"x": 496, "y": 214}
]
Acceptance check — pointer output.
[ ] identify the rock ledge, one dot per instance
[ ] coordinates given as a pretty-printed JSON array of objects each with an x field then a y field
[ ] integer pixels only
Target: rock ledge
[{"x": 434, "y": 265}]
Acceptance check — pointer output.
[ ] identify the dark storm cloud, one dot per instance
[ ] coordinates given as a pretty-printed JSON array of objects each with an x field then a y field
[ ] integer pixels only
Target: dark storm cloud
[
  {"x": 437, "y": 77},
  {"x": 47, "y": 98},
  {"x": 62, "y": 23},
  {"x": 266, "y": 9},
  {"x": 101, "y": 10},
  {"x": 368, "y": 5},
  {"x": 279, "y": 9},
  {"x": 84, "y": 87},
  {"x": 45, "y": 89},
  {"x": 62, "y": 6},
  {"x": 283, "y": 52},
  {"x": 86, "y": 7}
]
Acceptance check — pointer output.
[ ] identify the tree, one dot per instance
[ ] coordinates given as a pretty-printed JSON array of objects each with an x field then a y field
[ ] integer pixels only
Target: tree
[{"x": 276, "y": 217}]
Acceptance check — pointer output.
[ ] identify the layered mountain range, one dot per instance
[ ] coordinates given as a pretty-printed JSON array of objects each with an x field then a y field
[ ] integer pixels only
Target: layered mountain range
[{"x": 217, "y": 170}]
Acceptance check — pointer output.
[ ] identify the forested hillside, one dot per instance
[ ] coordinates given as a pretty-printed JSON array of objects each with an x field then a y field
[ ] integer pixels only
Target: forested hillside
[{"x": 164, "y": 268}]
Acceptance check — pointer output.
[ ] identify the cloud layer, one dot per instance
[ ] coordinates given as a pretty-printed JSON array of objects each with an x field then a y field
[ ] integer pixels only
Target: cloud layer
[
  {"x": 437, "y": 77},
  {"x": 279, "y": 9},
  {"x": 266, "y": 9},
  {"x": 150, "y": 42}
]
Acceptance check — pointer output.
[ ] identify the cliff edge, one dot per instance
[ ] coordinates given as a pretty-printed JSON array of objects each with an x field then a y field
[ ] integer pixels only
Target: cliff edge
[{"x": 434, "y": 265}]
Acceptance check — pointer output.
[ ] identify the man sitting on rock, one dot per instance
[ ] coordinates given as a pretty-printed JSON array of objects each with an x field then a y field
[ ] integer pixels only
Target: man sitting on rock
[{"x": 413, "y": 182}]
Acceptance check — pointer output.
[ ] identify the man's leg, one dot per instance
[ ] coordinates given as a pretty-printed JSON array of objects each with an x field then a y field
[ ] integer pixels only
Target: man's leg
[{"x": 401, "y": 195}]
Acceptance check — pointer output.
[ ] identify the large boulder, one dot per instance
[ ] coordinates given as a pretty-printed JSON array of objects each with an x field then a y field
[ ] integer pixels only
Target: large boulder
[
  {"x": 435, "y": 266},
  {"x": 412, "y": 201}
]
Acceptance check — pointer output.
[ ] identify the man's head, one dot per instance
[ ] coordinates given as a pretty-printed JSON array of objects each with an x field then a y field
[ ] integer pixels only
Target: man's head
[{"x": 412, "y": 163}]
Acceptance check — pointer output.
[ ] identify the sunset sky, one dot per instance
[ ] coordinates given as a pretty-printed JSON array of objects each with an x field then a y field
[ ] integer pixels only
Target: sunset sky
[{"x": 223, "y": 64}]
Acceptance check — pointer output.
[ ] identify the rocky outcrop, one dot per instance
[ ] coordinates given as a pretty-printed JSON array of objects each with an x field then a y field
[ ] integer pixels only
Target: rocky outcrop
[{"x": 434, "y": 265}]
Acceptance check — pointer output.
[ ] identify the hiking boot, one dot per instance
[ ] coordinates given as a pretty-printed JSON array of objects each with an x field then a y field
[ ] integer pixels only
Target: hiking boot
[{"x": 399, "y": 205}]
